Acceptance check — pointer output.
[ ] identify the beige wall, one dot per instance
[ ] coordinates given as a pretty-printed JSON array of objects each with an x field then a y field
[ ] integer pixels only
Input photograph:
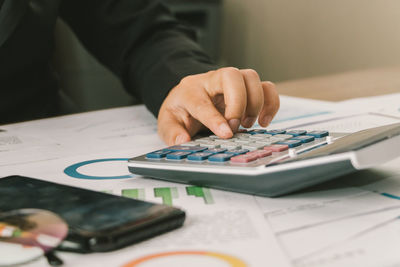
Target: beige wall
[
  {"x": 281, "y": 39},
  {"x": 287, "y": 39}
]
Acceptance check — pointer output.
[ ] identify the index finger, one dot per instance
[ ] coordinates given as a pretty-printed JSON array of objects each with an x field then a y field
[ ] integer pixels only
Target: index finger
[{"x": 230, "y": 83}]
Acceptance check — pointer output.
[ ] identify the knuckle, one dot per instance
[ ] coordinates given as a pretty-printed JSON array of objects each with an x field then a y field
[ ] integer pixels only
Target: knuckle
[
  {"x": 251, "y": 73},
  {"x": 228, "y": 71}
]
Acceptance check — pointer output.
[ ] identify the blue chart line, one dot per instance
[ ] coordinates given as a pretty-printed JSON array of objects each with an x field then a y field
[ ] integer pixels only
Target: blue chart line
[
  {"x": 390, "y": 195},
  {"x": 73, "y": 172}
]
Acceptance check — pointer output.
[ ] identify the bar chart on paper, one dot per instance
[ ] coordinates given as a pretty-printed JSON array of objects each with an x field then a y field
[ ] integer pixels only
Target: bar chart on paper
[
  {"x": 136, "y": 193},
  {"x": 167, "y": 195}
]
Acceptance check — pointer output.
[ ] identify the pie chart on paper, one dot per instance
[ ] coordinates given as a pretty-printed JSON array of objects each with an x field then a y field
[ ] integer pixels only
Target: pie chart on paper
[
  {"x": 187, "y": 258},
  {"x": 99, "y": 169}
]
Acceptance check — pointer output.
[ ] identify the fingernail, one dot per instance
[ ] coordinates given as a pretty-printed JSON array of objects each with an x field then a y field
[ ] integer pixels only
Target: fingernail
[
  {"x": 234, "y": 123},
  {"x": 225, "y": 129},
  {"x": 180, "y": 139},
  {"x": 266, "y": 120},
  {"x": 249, "y": 121}
]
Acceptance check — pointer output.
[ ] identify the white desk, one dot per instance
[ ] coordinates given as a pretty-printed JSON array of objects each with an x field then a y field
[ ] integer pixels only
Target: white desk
[{"x": 331, "y": 225}]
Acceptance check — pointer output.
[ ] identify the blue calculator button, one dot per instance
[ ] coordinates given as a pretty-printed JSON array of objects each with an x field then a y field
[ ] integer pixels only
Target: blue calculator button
[
  {"x": 290, "y": 143},
  {"x": 256, "y": 131},
  {"x": 220, "y": 157},
  {"x": 236, "y": 152},
  {"x": 318, "y": 134},
  {"x": 199, "y": 156},
  {"x": 296, "y": 132},
  {"x": 192, "y": 149},
  {"x": 178, "y": 155},
  {"x": 215, "y": 150},
  {"x": 304, "y": 138},
  {"x": 274, "y": 132},
  {"x": 157, "y": 154}
]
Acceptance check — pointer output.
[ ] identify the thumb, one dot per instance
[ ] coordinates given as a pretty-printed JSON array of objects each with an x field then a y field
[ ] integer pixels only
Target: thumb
[{"x": 171, "y": 130}]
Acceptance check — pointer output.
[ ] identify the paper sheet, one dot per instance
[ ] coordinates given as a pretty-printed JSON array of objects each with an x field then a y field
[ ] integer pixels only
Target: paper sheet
[
  {"x": 221, "y": 223},
  {"x": 333, "y": 225}
]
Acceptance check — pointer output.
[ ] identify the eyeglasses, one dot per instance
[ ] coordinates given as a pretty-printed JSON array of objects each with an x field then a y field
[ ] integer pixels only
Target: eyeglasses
[{"x": 28, "y": 234}]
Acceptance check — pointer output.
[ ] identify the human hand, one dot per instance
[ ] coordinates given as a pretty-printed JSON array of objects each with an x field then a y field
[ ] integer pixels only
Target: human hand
[{"x": 220, "y": 100}]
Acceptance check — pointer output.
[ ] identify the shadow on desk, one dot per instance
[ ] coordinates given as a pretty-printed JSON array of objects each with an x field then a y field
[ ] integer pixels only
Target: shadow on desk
[{"x": 357, "y": 179}]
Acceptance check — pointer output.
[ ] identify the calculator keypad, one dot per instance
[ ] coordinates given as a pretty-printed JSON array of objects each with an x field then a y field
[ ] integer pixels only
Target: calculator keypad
[{"x": 258, "y": 146}]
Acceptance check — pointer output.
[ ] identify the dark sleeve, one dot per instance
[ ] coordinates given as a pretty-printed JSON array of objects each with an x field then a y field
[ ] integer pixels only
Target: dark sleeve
[{"x": 140, "y": 41}]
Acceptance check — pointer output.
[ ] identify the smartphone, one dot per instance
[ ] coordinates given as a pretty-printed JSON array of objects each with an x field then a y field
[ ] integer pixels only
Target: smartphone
[{"x": 97, "y": 221}]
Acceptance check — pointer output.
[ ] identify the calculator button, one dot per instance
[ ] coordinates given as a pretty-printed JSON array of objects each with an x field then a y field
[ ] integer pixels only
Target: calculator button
[
  {"x": 273, "y": 140},
  {"x": 318, "y": 134},
  {"x": 260, "y": 153},
  {"x": 157, "y": 154},
  {"x": 221, "y": 141},
  {"x": 244, "y": 141},
  {"x": 277, "y": 148},
  {"x": 244, "y": 158},
  {"x": 199, "y": 156},
  {"x": 215, "y": 150},
  {"x": 231, "y": 145},
  {"x": 265, "y": 142},
  {"x": 258, "y": 136},
  {"x": 296, "y": 132},
  {"x": 304, "y": 138},
  {"x": 237, "y": 151},
  {"x": 220, "y": 157},
  {"x": 290, "y": 143},
  {"x": 282, "y": 136},
  {"x": 210, "y": 144},
  {"x": 191, "y": 149},
  {"x": 274, "y": 132},
  {"x": 241, "y": 135},
  {"x": 178, "y": 155},
  {"x": 292, "y": 153},
  {"x": 205, "y": 139},
  {"x": 253, "y": 146},
  {"x": 192, "y": 143},
  {"x": 256, "y": 131}
]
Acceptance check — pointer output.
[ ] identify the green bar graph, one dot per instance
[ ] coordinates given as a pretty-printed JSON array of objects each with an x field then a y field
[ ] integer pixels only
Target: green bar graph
[
  {"x": 200, "y": 192},
  {"x": 167, "y": 194},
  {"x": 136, "y": 193}
]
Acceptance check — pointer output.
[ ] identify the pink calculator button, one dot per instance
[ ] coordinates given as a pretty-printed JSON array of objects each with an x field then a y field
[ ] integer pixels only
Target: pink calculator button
[
  {"x": 277, "y": 148},
  {"x": 244, "y": 158},
  {"x": 260, "y": 153}
]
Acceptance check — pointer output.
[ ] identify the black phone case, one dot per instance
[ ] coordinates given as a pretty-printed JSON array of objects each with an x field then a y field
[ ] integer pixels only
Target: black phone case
[{"x": 98, "y": 222}]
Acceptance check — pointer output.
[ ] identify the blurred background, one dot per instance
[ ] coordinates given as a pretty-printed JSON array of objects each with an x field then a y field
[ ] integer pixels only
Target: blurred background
[{"x": 281, "y": 39}]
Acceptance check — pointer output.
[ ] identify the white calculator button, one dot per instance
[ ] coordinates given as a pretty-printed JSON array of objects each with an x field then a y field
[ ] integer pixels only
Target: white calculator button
[
  {"x": 264, "y": 142},
  {"x": 211, "y": 144},
  {"x": 231, "y": 145},
  {"x": 241, "y": 135},
  {"x": 253, "y": 146},
  {"x": 283, "y": 136},
  {"x": 192, "y": 143},
  {"x": 257, "y": 137},
  {"x": 292, "y": 152},
  {"x": 244, "y": 141},
  {"x": 222, "y": 141}
]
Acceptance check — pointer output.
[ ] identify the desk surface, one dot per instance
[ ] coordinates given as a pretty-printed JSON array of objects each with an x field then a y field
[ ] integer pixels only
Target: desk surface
[
  {"x": 223, "y": 228},
  {"x": 344, "y": 86}
]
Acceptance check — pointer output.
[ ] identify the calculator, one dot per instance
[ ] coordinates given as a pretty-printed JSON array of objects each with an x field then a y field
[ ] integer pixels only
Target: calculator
[{"x": 270, "y": 162}]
